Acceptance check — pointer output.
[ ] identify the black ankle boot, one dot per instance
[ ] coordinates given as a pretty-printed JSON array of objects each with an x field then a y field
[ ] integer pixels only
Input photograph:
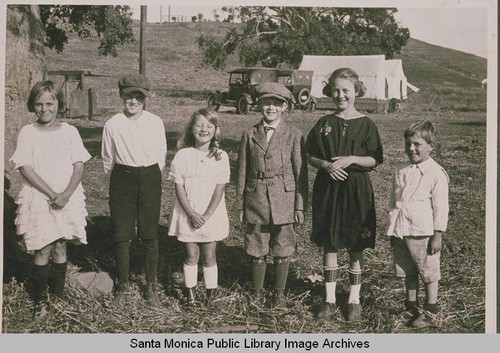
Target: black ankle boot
[
  {"x": 211, "y": 294},
  {"x": 279, "y": 300},
  {"x": 151, "y": 295},
  {"x": 121, "y": 294}
]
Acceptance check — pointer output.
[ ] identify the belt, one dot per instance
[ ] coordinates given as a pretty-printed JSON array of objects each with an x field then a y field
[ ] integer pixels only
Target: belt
[
  {"x": 124, "y": 166},
  {"x": 266, "y": 175},
  {"x": 414, "y": 205}
]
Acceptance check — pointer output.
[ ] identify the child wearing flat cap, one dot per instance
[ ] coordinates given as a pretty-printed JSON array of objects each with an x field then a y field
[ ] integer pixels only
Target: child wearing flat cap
[
  {"x": 272, "y": 189},
  {"x": 134, "y": 149}
]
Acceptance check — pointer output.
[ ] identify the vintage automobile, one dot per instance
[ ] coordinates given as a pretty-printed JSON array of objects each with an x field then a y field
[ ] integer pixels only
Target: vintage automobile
[
  {"x": 242, "y": 82},
  {"x": 299, "y": 82}
]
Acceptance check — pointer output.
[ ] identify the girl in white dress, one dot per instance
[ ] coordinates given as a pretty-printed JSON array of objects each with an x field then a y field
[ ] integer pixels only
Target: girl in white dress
[
  {"x": 51, "y": 204},
  {"x": 199, "y": 219}
]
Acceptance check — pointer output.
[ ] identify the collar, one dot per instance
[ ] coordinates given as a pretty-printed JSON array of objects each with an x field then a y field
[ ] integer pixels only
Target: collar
[
  {"x": 425, "y": 166},
  {"x": 134, "y": 119},
  {"x": 273, "y": 124}
]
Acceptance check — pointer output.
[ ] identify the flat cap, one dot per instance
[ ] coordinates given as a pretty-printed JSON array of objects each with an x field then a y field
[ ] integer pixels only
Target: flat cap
[
  {"x": 135, "y": 83},
  {"x": 273, "y": 89}
]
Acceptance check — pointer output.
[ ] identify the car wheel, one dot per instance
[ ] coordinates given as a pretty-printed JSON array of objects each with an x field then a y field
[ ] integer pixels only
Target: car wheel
[
  {"x": 304, "y": 96},
  {"x": 242, "y": 106},
  {"x": 213, "y": 103}
]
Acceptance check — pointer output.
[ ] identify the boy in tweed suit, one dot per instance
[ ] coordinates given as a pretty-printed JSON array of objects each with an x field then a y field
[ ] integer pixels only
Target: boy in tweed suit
[{"x": 272, "y": 188}]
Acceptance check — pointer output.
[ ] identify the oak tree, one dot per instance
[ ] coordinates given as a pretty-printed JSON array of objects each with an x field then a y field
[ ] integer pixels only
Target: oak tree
[
  {"x": 272, "y": 35},
  {"x": 112, "y": 24}
]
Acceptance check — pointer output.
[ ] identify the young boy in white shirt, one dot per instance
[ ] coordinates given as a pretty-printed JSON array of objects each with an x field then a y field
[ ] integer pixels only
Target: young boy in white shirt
[
  {"x": 134, "y": 148},
  {"x": 418, "y": 218}
]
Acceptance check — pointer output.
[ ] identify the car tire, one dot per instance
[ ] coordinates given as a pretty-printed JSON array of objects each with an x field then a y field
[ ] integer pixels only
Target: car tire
[
  {"x": 242, "y": 106},
  {"x": 213, "y": 103},
  {"x": 303, "y": 92}
]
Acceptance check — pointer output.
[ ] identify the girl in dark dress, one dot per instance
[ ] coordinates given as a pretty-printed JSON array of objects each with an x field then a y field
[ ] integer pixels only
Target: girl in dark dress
[{"x": 344, "y": 147}]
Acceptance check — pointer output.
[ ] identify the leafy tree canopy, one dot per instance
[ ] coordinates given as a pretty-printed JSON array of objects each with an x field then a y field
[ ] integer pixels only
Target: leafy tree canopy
[
  {"x": 273, "y": 35},
  {"x": 112, "y": 24}
]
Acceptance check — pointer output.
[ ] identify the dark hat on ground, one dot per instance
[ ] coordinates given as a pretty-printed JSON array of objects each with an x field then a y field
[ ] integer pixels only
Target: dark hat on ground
[
  {"x": 135, "y": 83},
  {"x": 273, "y": 89}
]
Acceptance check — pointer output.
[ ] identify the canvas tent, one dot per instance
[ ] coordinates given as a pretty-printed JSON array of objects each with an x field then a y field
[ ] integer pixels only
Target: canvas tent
[
  {"x": 396, "y": 82},
  {"x": 384, "y": 79}
]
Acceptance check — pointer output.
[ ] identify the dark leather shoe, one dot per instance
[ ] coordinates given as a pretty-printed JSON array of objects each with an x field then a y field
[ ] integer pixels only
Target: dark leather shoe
[
  {"x": 354, "y": 312},
  {"x": 326, "y": 312},
  {"x": 151, "y": 295},
  {"x": 211, "y": 294},
  {"x": 122, "y": 291},
  {"x": 279, "y": 300}
]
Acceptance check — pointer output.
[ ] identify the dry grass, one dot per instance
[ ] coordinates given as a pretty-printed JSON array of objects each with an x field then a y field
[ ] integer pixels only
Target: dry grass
[{"x": 180, "y": 90}]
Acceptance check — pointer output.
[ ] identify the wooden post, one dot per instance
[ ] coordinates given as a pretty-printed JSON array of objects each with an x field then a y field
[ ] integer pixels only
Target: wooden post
[
  {"x": 66, "y": 94},
  {"x": 142, "y": 43}
]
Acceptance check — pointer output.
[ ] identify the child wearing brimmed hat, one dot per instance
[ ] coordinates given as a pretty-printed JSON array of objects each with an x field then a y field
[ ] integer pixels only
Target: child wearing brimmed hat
[
  {"x": 134, "y": 149},
  {"x": 272, "y": 188}
]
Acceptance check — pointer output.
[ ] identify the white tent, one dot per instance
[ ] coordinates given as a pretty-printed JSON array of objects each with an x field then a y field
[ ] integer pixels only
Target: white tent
[
  {"x": 384, "y": 79},
  {"x": 396, "y": 82},
  {"x": 370, "y": 69}
]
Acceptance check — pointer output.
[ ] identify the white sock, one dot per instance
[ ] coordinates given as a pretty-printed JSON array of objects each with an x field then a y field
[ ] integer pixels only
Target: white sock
[
  {"x": 330, "y": 291},
  {"x": 190, "y": 275},
  {"x": 210, "y": 276},
  {"x": 354, "y": 294}
]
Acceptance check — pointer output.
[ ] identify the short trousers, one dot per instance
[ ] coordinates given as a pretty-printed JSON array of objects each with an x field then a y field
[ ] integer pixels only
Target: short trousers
[
  {"x": 269, "y": 239},
  {"x": 135, "y": 195},
  {"x": 411, "y": 258}
]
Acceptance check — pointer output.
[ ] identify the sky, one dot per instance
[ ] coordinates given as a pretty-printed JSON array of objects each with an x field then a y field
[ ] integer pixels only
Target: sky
[{"x": 462, "y": 28}]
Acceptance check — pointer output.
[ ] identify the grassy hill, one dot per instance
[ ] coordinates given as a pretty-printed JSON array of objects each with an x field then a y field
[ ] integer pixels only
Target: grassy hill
[
  {"x": 452, "y": 61},
  {"x": 450, "y": 79}
]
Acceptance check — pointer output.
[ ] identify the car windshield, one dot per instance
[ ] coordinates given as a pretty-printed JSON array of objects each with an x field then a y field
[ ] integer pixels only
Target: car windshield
[
  {"x": 285, "y": 80},
  {"x": 238, "y": 79}
]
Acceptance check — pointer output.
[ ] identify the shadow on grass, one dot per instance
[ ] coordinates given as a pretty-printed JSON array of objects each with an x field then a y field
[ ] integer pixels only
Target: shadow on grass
[{"x": 98, "y": 256}]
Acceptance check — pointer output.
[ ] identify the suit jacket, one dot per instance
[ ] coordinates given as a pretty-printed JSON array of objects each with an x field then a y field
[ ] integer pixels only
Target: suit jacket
[{"x": 272, "y": 177}]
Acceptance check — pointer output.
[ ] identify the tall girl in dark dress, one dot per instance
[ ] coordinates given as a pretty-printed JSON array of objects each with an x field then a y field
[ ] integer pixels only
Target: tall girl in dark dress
[{"x": 344, "y": 147}]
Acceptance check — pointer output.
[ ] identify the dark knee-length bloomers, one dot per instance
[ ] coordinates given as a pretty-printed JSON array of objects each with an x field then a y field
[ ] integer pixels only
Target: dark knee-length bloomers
[{"x": 344, "y": 211}]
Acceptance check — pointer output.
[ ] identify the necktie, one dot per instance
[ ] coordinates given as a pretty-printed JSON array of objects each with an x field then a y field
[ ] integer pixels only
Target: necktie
[{"x": 267, "y": 129}]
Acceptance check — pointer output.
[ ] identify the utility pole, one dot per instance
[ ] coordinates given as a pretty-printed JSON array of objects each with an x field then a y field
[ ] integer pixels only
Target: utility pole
[
  {"x": 142, "y": 40},
  {"x": 168, "y": 13},
  {"x": 161, "y": 10}
]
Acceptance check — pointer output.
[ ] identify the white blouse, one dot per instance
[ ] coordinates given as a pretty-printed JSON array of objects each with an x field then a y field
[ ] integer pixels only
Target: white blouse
[
  {"x": 199, "y": 175},
  {"x": 419, "y": 200},
  {"x": 136, "y": 143}
]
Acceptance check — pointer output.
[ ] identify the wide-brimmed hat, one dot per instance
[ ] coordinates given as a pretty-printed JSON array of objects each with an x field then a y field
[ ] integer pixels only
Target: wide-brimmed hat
[
  {"x": 273, "y": 89},
  {"x": 134, "y": 83}
]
